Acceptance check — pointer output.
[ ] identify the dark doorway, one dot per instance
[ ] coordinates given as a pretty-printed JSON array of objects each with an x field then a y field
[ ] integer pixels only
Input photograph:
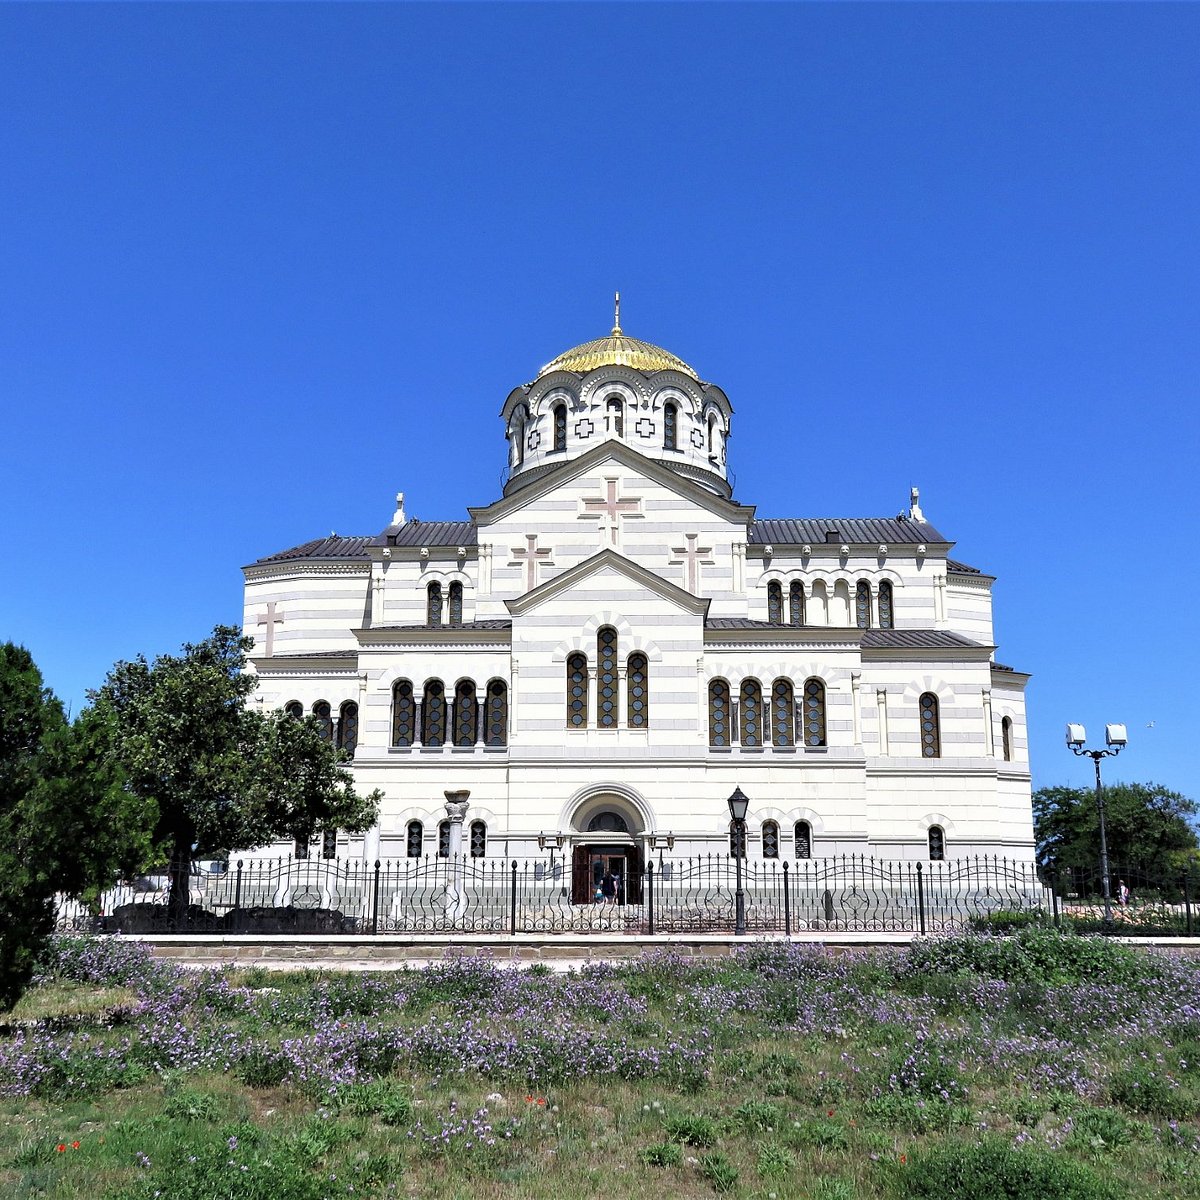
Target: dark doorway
[{"x": 592, "y": 861}]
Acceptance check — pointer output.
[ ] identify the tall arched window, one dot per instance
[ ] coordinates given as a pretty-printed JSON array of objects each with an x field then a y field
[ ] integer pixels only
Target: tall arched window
[
  {"x": 638, "y": 683},
  {"x": 775, "y": 602},
  {"x": 751, "y": 713},
  {"x": 414, "y": 836},
  {"x": 937, "y": 843},
  {"x": 770, "y": 839},
  {"x": 783, "y": 713},
  {"x": 443, "y": 839},
  {"x": 606, "y": 678},
  {"x": 347, "y": 737},
  {"x": 324, "y": 715},
  {"x": 712, "y": 434},
  {"x": 804, "y": 843},
  {"x": 294, "y": 709},
  {"x": 737, "y": 839},
  {"x": 404, "y": 713},
  {"x": 433, "y": 714},
  {"x": 614, "y": 407},
  {"x": 814, "y": 712},
  {"x": 433, "y": 605},
  {"x": 862, "y": 605},
  {"x": 796, "y": 603},
  {"x": 478, "y": 840},
  {"x": 670, "y": 426},
  {"x": 329, "y": 843},
  {"x": 520, "y": 417},
  {"x": 718, "y": 713},
  {"x": 497, "y": 713},
  {"x": 466, "y": 714},
  {"x": 577, "y": 691},
  {"x": 886, "y": 620},
  {"x": 560, "y": 427},
  {"x": 456, "y": 597},
  {"x": 300, "y": 850},
  {"x": 931, "y": 733},
  {"x": 1006, "y": 738}
]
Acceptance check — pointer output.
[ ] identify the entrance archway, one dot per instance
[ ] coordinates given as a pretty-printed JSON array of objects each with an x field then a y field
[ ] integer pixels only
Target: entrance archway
[{"x": 607, "y": 853}]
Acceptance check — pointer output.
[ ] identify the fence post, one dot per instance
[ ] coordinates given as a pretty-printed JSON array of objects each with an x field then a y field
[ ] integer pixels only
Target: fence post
[
  {"x": 650, "y": 897},
  {"x": 375, "y": 901},
  {"x": 237, "y": 899},
  {"x": 787, "y": 902},
  {"x": 1187, "y": 900},
  {"x": 1054, "y": 878},
  {"x": 512, "y": 912},
  {"x": 921, "y": 896}
]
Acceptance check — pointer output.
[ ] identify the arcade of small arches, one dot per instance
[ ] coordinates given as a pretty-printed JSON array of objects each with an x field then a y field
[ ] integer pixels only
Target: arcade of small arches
[
  {"x": 616, "y": 688},
  {"x": 822, "y": 605},
  {"x": 463, "y": 719},
  {"x": 444, "y": 607},
  {"x": 341, "y": 731},
  {"x": 414, "y": 839}
]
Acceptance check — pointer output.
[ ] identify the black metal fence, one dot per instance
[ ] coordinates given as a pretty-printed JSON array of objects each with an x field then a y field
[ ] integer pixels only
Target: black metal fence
[{"x": 674, "y": 895}]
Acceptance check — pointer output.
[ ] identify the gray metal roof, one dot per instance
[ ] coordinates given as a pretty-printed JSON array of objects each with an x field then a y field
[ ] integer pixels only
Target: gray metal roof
[
  {"x": 428, "y": 533},
  {"x": 329, "y": 547},
  {"x": 799, "y": 531},
  {"x": 486, "y": 623},
  {"x": 961, "y": 567},
  {"x": 916, "y": 639}
]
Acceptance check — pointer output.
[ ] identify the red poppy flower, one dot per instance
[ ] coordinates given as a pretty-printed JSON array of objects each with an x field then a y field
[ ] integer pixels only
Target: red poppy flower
[
  {"x": 61, "y": 1147},
  {"x": 74, "y": 1145}
]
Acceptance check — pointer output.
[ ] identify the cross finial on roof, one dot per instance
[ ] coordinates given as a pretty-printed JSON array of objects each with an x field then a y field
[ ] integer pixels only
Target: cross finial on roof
[
  {"x": 914, "y": 507},
  {"x": 616, "y": 329}
]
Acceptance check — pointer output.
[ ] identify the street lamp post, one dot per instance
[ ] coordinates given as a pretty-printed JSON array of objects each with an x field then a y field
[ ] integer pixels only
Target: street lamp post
[
  {"x": 1116, "y": 739},
  {"x": 739, "y": 803}
]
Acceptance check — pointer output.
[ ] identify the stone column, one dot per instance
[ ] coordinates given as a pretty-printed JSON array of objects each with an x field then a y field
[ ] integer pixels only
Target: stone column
[
  {"x": 989, "y": 734},
  {"x": 456, "y": 810},
  {"x": 622, "y": 695},
  {"x": 855, "y": 680},
  {"x": 881, "y": 701}
]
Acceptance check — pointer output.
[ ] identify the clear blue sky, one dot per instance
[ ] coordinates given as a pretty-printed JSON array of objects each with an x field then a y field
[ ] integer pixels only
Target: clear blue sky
[{"x": 261, "y": 267}]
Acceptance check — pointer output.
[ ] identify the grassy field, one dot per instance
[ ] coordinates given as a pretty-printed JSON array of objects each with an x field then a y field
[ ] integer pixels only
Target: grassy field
[{"x": 1044, "y": 1066}]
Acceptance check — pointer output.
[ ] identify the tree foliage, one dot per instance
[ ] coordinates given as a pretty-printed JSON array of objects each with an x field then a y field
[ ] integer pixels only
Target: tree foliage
[
  {"x": 67, "y": 824},
  {"x": 220, "y": 774},
  {"x": 1148, "y": 829}
]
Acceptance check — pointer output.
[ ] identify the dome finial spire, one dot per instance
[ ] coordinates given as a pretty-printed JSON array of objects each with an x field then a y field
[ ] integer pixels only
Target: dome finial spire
[{"x": 616, "y": 329}]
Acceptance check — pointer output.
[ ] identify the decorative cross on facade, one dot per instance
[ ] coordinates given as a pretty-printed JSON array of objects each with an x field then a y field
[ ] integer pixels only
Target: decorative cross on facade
[
  {"x": 692, "y": 558},
  {"x": 531, "y": 556},
  {"x": 610, "y": 510},
  {"x": 270, "y": 621}
]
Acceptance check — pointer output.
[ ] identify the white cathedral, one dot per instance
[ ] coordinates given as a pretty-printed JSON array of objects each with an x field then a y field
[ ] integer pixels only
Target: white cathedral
[{"x": 597, "y": 659}]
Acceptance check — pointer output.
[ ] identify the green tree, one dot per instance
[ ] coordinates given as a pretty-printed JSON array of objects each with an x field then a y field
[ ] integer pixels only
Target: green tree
[
  {"x": 1148, "y": 829},
  {"x": 67, "y": 824},
  {"x": 220, "y": 775}
]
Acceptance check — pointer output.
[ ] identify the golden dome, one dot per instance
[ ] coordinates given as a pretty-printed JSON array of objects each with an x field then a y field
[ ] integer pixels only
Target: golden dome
[{"x": 617, "y": 350}]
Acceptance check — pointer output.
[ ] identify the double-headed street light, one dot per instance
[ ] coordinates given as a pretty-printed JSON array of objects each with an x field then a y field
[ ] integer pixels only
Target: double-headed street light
[
  {"x": 1116, "y": 739},
  {"x": 739, "y": 804}
]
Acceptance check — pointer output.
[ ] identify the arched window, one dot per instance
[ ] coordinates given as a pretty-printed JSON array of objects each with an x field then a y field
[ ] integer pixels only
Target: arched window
[
  {"x": 607, "y": 822},
  {"x": 614, "y": 406},
  {"x": 433, "y": 605},
  {"x": 1006, "y": 738},
  {"x": 560, "y": 427},
  {"x": 737, "y": 839},
  {"x": 670, "y": 426},
  {"x": 804, "y": 843},
  {"x": 466, "y": 714},
  {"x": 347, "y": 738},
  {"x": 718, "y": 713},
  {"x": 478, "y": 839},
  {"x": 433, "y": 714},
  {"x": 937, "y": 843},
  {"x": 931, "y": 734},
  {"x": 770, "y": 839},
  {"x": 414, "y": 837},
  {"x": 783, "y": 713},
  {"x": 638, "y": 702},
  {"x": 324, "y": 715},
  {"x": 404, "y": 714},
  {"x": 796, "y": 603},
  {"x": 294, "y": 709},
  {"x": 751, "y": 713},
  {"x": 862, "y": 605},
  {"x": 443, "y": 839},
  {"x": 577, "y": 691},
  {"x": 775, "y": 602},
  {"x": 497, "y": 713},
  {"x": 885, "y": 606},
  {"x": 520, "y": 417},
  {"x": 814, "y": 712},
  {"x": 300, "y": 850},
  {"x": 329, "y": 843},
  {"x": 712, "y": 434},
  {"x": 606, "y": 678},
  {"x": 456, "y": 594}
]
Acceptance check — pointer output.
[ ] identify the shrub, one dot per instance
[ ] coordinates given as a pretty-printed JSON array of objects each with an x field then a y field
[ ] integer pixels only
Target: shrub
[
  {"x": 830, "y": 1188},
  {"x": 775, "y": 1162},
  {"x": 188, "y": 1104},
  {"x": 1141, "y": 1088},
  {"x": 664, "y": 1154},
  {"x": 263, "y": 1067},
  {"x": 991, "y": 1169},
  {"x": 386, "y": 1099},
  {"x": 757, "y": 1116},
  {"x": 691, "y": 1129},
  {"x": 719, "y": 1171},
  {"x": 1010, "y": 920},
  {"x": 822, "y": 1132}
]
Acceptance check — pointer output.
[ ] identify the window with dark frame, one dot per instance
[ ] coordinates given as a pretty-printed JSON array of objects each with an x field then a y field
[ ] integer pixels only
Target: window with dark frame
[
  {"x": 804, "y": 842},
  {"x": 814, "y": 712},
  {"x": 775, "y": 602},
  {"x": 577, "y": 691},
  {"x": 937, "y": 843},
  {"x": 862, "y": 604},
  {"x": 443, "y": 839},
  {"x": 1006, "y": 738},
  {"x": 433, "y": 714},
  {"x": 324, "y": 714},
  {"x": 433, "y": 607},
  {"x": 466, "y": 714},
  {"x": 404, "y": 713},
  {"x": 497, "y": 713},
  {"x": 414, "y": 837},
  {"x": 719, "y": 733},
  {"x": 478, "y": 839},
  {"x": 606, "y": 678},
  {"x": 347, "y": 734},
  {"x": 294, "y": 709},
  {"x": 670, "y": 426},
  {"x": 770, "y": 839},
  {"x": 885, "y": 605},
  {"x": 560, "y": 427},
  {"x": 783, "y": 713},
  {"x": 329, "y": 843},
  {"x": 751, "y": 713},
  {"x": 456, "y": 604},
  {"x": 638, "y": 686},
  {"x": 796, "y": 603},
  {"x": 931, "y": 734},
  {"x": 737, "y": 839}
]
